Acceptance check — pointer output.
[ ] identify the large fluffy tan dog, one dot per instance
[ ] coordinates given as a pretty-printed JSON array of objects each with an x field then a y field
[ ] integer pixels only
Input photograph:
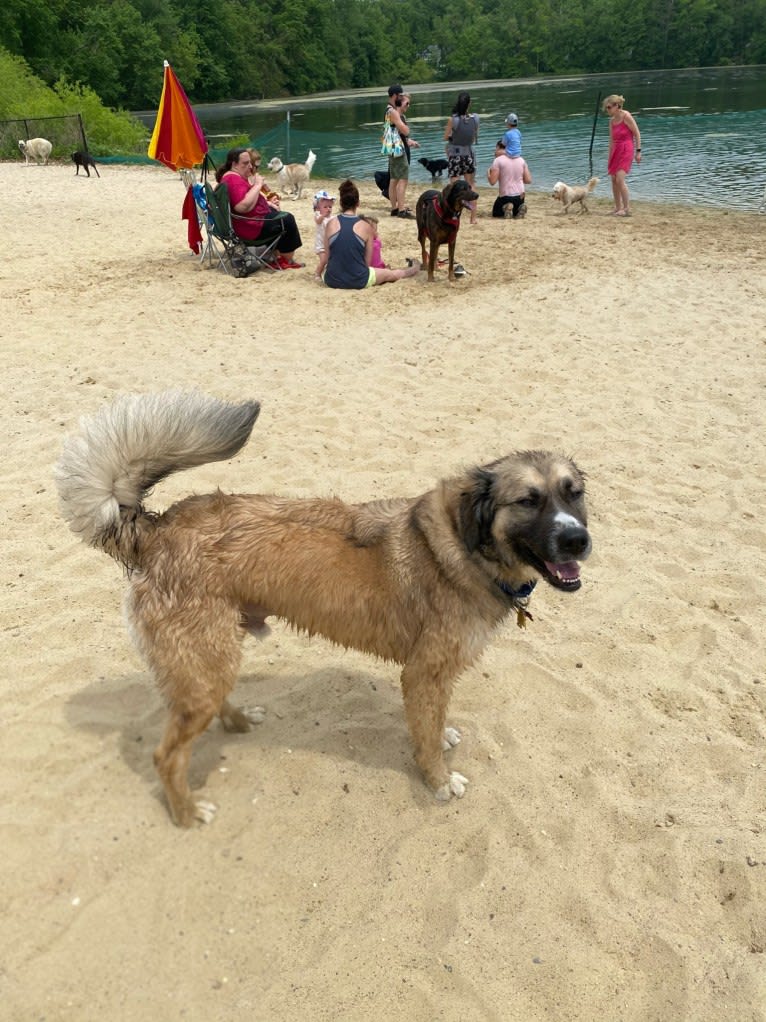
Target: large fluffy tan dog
[
  {"x": 38, "y": 149},
  {"x": 567, "y": 195},
  {"x": 423, "y": 581}
]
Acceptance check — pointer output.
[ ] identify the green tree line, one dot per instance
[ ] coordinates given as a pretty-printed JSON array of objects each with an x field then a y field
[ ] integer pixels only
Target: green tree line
[{"x": 242, "y": 49}]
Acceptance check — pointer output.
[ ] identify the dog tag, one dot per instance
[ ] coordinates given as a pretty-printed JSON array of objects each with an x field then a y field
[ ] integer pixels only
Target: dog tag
[{"x": 521, "y": 617}]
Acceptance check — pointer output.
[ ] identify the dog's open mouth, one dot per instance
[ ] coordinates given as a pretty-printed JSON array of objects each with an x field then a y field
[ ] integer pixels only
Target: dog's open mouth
[{"x": 564, "y": 576}]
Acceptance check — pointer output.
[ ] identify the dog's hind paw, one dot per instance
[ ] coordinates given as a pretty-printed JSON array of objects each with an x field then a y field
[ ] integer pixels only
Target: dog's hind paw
[
  {"x": 454, "y": 786},
  {"x": 234, "y": 719},
  {"x": 451, "y": 738},
  {"x": 255, "y": 714},
  {"x": 205, "y": 811}
]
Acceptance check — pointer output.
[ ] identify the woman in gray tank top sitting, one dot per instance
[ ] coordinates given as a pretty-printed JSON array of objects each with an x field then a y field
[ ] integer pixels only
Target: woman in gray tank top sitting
[
  {"x": 460, "y": 136},
  {"x": 345, "y": 262}
]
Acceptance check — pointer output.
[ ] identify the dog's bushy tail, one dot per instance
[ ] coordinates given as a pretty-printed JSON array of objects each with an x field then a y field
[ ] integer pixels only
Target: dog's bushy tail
[
  {"x": 106, "y": 470},
  {"x": 592, "y": 183}
]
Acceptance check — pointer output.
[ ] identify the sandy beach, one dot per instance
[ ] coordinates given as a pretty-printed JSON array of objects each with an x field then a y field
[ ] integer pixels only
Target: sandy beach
[{"x": 609, "y": 859}]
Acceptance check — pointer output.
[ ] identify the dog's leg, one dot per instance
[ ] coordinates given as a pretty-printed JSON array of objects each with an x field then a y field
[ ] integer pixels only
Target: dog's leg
[
  {"x": 196, "y": 667},
  {"x": 172, "y": 761},
  {"x": 96, "y": 170},
  {"x": 451, "y": 270},
  {"x": 433, "y": 255},
  {"x": 422, "y": 239},
  {"x": 426, "y": 689}
]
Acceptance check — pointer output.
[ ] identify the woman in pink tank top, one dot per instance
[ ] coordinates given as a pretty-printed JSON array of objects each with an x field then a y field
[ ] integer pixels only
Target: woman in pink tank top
[{"x": 624, "y": 147}]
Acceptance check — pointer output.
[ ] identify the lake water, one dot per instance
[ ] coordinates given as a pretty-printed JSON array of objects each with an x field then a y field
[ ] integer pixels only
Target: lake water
[{"x": 703, "y": 130}]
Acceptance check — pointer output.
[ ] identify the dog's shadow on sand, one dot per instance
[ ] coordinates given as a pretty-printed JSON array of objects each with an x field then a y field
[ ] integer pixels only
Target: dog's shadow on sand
[{"x": 347, "y": 715}]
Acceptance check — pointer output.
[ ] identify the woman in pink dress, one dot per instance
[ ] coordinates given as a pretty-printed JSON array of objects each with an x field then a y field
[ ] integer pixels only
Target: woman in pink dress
[{"x": 624, "y": 146}]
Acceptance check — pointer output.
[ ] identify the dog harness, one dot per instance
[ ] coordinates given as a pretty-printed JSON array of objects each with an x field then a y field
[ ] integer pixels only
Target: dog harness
[{"x": 453, "y": 221}]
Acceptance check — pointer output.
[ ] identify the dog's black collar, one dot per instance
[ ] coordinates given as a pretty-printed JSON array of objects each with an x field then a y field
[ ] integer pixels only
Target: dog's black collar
[{"x": 522, "y": 593}]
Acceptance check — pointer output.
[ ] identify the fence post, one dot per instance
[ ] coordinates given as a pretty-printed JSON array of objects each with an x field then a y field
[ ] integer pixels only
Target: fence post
[{"x": 82, "y": 134}]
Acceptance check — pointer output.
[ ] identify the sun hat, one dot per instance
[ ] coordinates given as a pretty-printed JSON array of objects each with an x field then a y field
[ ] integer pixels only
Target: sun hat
[
  {"x": 323, "y": 195},
  {"x": 512, "y": 119}
]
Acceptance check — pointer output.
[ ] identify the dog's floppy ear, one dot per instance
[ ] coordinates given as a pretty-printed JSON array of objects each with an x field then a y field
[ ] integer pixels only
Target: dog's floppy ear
[{"x": 477, "y": 509}]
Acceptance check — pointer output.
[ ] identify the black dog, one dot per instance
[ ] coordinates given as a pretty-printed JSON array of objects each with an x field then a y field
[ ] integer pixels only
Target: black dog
[
  {"x": 383, "y": 180},
  {"x": 434, "y": 167},
  {"x": 438, "y": 217},
  {"x": 84, "y": 160}
]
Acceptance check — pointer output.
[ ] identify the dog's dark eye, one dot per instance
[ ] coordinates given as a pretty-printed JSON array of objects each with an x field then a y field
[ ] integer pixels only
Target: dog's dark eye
[
  {"x": 572, "y": 491},
  {"x": 531, "y": 500}
]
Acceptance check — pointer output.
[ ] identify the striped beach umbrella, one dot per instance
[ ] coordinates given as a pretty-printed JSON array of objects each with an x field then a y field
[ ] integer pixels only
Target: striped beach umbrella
[{"x": 177, "y": 140}]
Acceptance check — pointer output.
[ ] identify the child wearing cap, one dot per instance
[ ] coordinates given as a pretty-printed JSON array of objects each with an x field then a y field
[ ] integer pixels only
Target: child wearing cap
[
  {"x": 322, "y": 213},
  {"x": 512, "y": 137}
]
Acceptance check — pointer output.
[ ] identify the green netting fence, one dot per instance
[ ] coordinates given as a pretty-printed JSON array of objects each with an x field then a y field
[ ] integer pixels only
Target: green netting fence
[{"x": 65, "y": 132}]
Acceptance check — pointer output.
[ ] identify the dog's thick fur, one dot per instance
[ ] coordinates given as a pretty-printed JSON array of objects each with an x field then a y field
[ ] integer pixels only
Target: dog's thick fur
[
  {"x": 293, "y": 177},
  {"x": 434, "y": 167},
  {"x": 84, "y": 160},
  {"x": 567, "y": 195},
  {"x": 423, "y": 581},
  {"x": 39, "y": 149},
  {"x": 453, "y": 200}
]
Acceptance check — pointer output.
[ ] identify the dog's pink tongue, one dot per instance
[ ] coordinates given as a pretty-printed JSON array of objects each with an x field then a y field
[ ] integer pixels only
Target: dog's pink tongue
[{"x": 569, "y": 570}]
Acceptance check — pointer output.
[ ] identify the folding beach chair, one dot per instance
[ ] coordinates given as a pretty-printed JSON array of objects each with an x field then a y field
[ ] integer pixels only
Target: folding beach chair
[
  {"x": 241, "y": 256},
  {"x": 211, "y": 251}
]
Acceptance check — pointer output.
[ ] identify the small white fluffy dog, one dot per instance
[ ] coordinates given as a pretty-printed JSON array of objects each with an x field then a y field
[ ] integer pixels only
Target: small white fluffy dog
[
  {"x": 293, "y": 176},
  {"x": 38, "y": 148},
  {"x": 569, "y": 194}
]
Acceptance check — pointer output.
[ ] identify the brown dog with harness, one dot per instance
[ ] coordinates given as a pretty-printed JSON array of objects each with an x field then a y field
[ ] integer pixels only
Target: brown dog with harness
[{"x": 438, "y": 218}]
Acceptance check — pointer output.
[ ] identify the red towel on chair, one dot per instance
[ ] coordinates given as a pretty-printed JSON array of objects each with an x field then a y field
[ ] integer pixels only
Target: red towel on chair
[{"x": 189, "y": 212}]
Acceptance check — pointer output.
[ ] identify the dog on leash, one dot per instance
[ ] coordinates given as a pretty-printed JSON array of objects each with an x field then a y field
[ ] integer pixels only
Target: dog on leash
[
  {"x": 84, "y": 160},
  {"x": 567, "y": 195},
  {"x": 423, "y": 581},
  {"x": 434, "y": 167},
  {"x": 38, "y": 149},
  {"x": 438, "y": 219},
  {"x": 293, "y": 177}
]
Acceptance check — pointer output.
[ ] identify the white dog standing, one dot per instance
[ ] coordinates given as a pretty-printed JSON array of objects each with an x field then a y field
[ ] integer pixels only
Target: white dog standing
[
  {"x": 293, "y": 177},
  {"x": 569, "y": 194},
  {"x": 38, "y": 148}
]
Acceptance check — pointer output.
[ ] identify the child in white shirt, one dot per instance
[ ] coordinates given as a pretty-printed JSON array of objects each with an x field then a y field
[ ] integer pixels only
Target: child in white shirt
[{"x": 322, "y": 213}]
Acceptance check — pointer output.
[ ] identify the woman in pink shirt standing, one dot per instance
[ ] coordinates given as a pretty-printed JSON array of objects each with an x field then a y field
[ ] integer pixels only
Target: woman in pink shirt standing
[{"x": 624, "y": 146}]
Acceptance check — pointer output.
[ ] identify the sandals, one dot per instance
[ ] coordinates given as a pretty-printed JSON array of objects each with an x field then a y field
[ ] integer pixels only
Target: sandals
[{"x": 405, "y": 214}]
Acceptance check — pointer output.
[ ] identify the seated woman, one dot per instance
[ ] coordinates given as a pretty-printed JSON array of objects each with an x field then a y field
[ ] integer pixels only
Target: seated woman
[
  {"x": 345, "y": 262},
  {"x": 253, "y": 216}
]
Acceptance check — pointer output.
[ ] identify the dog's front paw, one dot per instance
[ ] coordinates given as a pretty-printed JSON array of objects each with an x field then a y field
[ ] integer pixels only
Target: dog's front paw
[
  {"x": 451, "y": 738},
  {"x": 454, "y": 786}
]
